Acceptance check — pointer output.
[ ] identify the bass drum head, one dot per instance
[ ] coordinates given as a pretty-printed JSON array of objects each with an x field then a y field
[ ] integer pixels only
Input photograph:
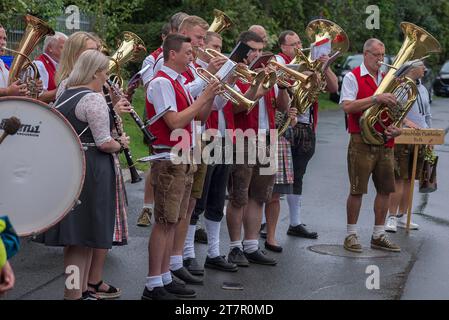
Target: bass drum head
[{"x": 42, "y": 166}]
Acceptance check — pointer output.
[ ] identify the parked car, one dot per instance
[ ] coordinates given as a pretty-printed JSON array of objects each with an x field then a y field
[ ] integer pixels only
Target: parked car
[
  {"x": 351, "y": 62},
  {"x": 428, "y": 81},
  {"x": 441, "y": 83}
]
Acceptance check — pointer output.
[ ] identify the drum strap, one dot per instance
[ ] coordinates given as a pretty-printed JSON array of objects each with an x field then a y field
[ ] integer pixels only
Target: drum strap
[{"x": 58, "y": 105}]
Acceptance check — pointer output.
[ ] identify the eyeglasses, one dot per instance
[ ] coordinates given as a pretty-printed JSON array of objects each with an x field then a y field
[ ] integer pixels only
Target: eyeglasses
[{"x": 378, "y": 55}]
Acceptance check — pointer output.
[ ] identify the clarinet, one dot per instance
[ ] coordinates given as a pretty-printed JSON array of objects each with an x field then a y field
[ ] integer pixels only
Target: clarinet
[
  {"x": 148, "y": 135},
  {"x": 132, "y": 169}
]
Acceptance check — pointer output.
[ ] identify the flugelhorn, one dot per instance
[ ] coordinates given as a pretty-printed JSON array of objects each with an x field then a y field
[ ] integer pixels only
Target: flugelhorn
[
  {"x": 221, "y": 22},
  {"x": 241, "y": 71},
  {"x": 228, "y": 92},
  {"x": 374, "y": 120},
  {"x": 287, "y": 77}
]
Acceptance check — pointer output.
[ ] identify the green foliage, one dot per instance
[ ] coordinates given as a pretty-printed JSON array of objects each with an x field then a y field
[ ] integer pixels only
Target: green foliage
[{"x": 146, "y": 17}]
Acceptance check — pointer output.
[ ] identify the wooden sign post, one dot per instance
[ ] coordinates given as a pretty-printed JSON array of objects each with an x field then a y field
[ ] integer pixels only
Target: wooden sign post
[{"x": 417, "y": 137}]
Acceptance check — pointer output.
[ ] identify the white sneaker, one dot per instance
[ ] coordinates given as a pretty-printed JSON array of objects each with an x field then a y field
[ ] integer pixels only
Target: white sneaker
[
  {"x": 392, "y": 224},
  {"x": 402, "y": 223}
]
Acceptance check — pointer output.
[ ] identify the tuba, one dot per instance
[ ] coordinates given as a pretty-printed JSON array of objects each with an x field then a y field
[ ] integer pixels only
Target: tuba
[
  {"x": 417, "y": 44},
  {"x": 318, "y": 31},
  {"x": 129, "y": 49},
  {"x": 221, "y": 22},
  {"x": 35, "y": 30}
]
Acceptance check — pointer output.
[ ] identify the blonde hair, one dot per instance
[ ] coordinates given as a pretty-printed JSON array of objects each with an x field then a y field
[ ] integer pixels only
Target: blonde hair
[
  {"x": 88, "y": 63},
  {"x": 73, "y": 47},
  {"x": 193, "y": 21}
]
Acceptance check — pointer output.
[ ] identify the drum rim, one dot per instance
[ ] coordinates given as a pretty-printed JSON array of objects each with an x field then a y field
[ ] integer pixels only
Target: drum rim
[{"x": 83, "y": 158}]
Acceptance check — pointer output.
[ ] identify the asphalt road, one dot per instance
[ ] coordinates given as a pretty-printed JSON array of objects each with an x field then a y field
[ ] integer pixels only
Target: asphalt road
[{"x": 418, "y": 272}]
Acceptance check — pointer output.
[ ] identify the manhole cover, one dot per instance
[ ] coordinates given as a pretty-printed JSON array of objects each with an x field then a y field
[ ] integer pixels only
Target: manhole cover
[{"x": 339, "y": 251}]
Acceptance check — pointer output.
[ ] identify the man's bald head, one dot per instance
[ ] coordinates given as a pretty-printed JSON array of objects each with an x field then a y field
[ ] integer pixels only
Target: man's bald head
[{"x": 260, "y": 31}]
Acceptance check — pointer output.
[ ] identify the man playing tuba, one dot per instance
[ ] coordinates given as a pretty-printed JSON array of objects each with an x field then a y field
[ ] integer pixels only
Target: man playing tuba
[
  {"x": 15, "y": 89},
  {"x": 357, "y": 92}
]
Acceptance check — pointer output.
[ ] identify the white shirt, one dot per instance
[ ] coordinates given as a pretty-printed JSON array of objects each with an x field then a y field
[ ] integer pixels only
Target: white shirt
[
  {"x": 161, "y": 94},
  {"x": 350, "y": 88},
  {"x": 264, "y": 123},
  {"x": 150, "y": 72},
  {"x": 195, "y": 87},
  {"x": 280, "y": 59},
  {"x": 4, "y": 74},
  {"x": 43, "y": 72},
  {"x": 219, "y": 104},
  {"x": 420, "y": 110}
]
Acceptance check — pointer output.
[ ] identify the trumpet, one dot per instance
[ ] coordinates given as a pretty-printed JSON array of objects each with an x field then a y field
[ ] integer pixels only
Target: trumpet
[
  {"x": 241, "y": 71},
  {"x": 228, "y": 93}
]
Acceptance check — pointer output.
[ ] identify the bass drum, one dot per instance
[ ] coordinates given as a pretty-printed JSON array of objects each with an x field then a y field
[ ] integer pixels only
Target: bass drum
[{"x": 42, "y": 166}]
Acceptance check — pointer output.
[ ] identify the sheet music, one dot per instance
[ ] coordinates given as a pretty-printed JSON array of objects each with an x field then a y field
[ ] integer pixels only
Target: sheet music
[
  {"x": 320, "y": 48},
  {"x": 226, "y": 70}
]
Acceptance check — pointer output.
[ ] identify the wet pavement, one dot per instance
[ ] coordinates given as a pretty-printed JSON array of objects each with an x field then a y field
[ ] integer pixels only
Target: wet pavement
[{"x": 306, "y": 269}]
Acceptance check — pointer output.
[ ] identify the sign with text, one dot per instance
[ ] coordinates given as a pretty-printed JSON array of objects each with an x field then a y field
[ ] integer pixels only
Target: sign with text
[{"x": 420, "y": 136}]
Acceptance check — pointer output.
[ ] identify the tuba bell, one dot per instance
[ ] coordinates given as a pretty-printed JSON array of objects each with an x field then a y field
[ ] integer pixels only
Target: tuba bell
[
  {"x": 221, "y": 22},
  {"x": 374, "y": 120},
  {"x": 35, "y": 30},
  {"x": 130, "y": 49},
  {"x": 318, "y": 31}
]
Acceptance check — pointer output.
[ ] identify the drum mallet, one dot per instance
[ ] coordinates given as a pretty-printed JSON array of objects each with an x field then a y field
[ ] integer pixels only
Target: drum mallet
[{"x": 10, "y": 126}]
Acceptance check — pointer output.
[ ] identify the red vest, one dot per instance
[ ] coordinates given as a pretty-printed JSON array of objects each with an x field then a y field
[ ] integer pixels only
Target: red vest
[
  {"x": 156, "y": 53},
  {"x": 212, "y": 121},
  {"x": 286, "y": 58},
  {"x": 251, "y": 121},
  {"x": 188, "y": 74},
  {"x": 367, "y": 87},
  {"x": 51, "y": 70},
  {"x": 160, "y": 128}
]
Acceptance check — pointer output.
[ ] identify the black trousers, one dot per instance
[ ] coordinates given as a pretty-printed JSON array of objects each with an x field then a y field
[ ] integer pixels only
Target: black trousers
[
  {"x": 303, "y": 148},
  {"x": 214, "y": 194}
]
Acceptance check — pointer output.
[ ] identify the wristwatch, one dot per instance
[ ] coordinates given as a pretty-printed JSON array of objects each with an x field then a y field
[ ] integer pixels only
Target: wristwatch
[{"x": 374, "y": 99}]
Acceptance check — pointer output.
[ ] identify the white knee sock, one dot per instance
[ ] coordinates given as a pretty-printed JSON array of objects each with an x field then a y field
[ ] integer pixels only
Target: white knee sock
[
  {"x": 153, "y": 282},
  {"x": 189, "y": 247},
  {"x": 378, "y": 231},
  {"x": 250, "y": 246},
  {"x": 235, "y": 244},
  {"x": 149, "y": 206},
  {"x": 213, "y": 238},
  {"x": 175, "y": 263},
  {"x": 351, "y": 229},
  {"x": 264, "y": 219},
  {"x": 294, "y": 205},
  {"x": 166, "y": 278}
]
